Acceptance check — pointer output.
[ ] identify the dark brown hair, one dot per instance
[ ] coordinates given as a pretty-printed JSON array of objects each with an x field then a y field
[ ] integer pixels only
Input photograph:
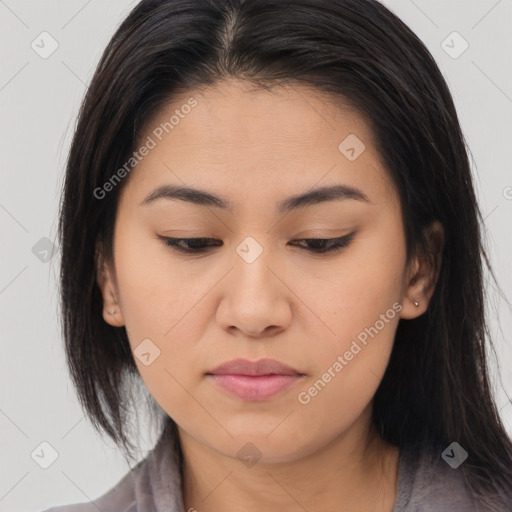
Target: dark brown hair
[{"x": 436, "y": 388}]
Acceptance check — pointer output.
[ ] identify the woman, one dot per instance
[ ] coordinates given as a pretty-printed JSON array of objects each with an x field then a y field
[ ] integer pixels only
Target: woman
[{"x": 268, "y": 219}]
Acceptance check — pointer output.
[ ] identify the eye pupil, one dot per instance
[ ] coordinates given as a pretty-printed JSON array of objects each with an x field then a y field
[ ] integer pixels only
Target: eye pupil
[
  {"x": 196, "y": 242},
  {"x": 319, "y": 243}
]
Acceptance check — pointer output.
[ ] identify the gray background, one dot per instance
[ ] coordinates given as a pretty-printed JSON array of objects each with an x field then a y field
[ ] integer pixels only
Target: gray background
[{"x": 39, "y": 99}]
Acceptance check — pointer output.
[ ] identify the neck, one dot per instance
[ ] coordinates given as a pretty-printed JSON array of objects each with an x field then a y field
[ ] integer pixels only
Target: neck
[{"x": 352, "y": 472}]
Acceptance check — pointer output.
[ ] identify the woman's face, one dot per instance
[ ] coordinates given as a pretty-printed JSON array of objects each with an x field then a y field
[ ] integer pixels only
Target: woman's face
[{"x": 259, "y": 291}]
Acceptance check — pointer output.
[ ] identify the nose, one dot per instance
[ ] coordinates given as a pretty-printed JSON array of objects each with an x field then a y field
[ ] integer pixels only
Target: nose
[{"x": 255, "y": 302}]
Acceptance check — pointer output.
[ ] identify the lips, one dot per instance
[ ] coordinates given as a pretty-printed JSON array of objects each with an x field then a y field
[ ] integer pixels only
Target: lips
[
  {"x": 254, "y": 380},
  {"x": 261, "y": 367}
]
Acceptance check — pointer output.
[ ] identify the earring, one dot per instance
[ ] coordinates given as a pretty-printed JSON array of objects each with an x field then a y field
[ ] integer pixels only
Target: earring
[
  {"x": 111, "y": 311},
  {"x": 416, "y": 303}
]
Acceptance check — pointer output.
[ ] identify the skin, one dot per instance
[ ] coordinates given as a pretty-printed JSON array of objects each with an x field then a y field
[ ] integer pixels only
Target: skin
[{"x": 257, "y": 148}]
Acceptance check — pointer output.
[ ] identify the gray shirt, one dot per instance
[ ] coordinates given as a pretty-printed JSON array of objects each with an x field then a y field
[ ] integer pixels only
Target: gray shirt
[{"x": 154, "y": 485}]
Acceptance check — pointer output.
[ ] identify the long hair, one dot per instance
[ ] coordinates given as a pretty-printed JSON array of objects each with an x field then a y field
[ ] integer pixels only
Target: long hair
[{"x": 436, "y": 387}]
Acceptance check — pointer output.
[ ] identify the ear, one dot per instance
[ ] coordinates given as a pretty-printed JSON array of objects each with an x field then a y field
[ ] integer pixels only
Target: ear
[
  {"x": 111, "y": 309},
  {"x": 423, "y": 273}
]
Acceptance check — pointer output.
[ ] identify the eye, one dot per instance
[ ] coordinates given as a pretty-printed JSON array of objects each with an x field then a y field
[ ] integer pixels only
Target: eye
[
  {"x": 324, "y": 245},
  {"x": 192, "y": 245},
  {"x": 202, "y": 245}
]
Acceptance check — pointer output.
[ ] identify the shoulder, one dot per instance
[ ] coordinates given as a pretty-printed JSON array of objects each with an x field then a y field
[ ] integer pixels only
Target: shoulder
[
  {"x": 154, "y": 483},
  {"x": 120, "y": 498},
  {"x": 426, "y": 483}
]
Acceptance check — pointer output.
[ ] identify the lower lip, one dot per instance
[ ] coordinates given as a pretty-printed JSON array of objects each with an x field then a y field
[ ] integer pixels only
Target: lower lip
[{"x": 254, "y": 388}]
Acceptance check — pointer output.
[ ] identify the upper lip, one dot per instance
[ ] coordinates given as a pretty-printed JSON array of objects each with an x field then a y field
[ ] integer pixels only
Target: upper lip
[{"x": 260, "y": 367}]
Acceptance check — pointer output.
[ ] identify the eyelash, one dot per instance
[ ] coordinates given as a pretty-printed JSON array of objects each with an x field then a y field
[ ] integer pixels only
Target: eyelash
[{"x": 336, "y": 244}]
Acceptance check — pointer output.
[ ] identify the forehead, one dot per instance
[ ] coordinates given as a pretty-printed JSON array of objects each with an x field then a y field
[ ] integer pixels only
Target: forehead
[
  {"x": 233, "y": 113},
  {"x": 235, "y": 135}
]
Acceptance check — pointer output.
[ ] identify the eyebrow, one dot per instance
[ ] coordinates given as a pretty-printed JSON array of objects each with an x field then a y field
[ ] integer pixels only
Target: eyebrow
[{"x": 203, "y": 198}]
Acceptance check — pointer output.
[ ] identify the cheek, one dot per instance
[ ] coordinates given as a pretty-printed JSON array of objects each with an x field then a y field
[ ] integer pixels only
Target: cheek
[
  {"x": 348, "y": 375},
  {"x": 361, "y": 305},
  {"x": 161, "y": 317},
  {"x": 152, "y": 292},
  {"x": 352, "y": 294}
]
